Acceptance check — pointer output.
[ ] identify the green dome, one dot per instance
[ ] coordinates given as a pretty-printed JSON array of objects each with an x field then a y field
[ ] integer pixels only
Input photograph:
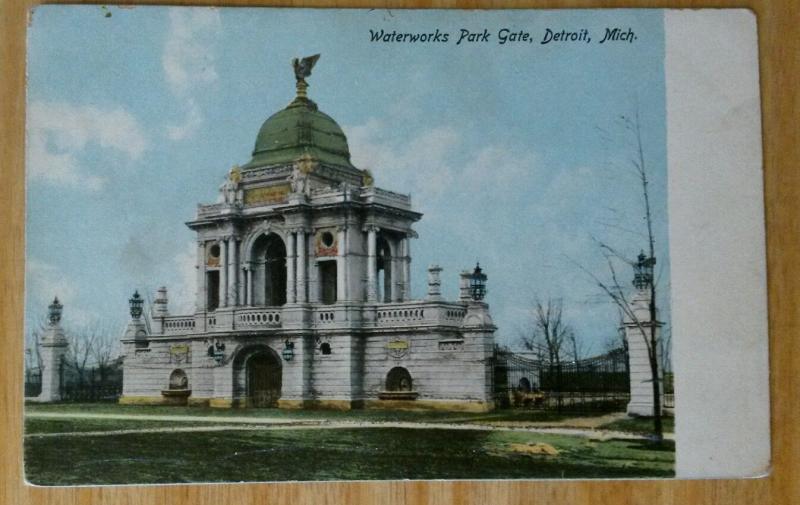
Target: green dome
[{"x": 298, "y": 129}]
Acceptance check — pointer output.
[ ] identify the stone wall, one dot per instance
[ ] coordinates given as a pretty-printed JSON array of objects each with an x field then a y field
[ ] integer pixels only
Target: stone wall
[{"x": 445, "y": 366}]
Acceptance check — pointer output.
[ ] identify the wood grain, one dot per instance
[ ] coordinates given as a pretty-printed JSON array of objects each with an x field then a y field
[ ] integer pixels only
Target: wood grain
[{"x": 779, "y": 40}]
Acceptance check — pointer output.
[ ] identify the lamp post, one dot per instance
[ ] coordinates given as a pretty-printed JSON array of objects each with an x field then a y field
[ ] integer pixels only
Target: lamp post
[
  {"x": 643, "y": 271},
  {"x": 54, "y": 313},
  {"x": 217, "y": 351},
  {"x": 288, "y": 350},
  {"x": 477, "y": 283},
  {"x": 136, "y": 302}
]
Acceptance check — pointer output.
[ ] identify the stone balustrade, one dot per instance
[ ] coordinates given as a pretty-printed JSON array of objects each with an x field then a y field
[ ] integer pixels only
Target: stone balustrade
[
  {"x": 257, "y": 318},
  {"x": 178, "y": 325},
  {"x": 398, "y": 314},
  {"x": 383, "y": 196},
  {"x": 420, "y": 313},
  {"x": 215, "y": 209}
]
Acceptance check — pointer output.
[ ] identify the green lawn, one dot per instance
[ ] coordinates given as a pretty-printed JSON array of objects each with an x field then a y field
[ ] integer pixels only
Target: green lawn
[
  {"x": 374, "y": 453},
  {"x": 262, "y": 454}
]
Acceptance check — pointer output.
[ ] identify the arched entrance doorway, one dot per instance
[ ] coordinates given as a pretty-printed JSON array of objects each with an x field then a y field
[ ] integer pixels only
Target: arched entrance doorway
[{"x": 263, "y": 379}]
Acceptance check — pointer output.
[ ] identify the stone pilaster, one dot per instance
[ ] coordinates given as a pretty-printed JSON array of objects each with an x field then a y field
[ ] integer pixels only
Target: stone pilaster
[
  {"x": 233, "y": 271},
  {"x": 341, "y": 260},
  {"x": 201, "y": 276},
  {"x": 302, "y": 271},
  {"x": 223, "y": 273},
  {"x": 290, "y": 270}
]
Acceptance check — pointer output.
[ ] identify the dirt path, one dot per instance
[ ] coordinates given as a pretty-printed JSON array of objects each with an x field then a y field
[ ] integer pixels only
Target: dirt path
[
  {"x": 572, "y": 422},
  {"x": 260, "y": 424}
]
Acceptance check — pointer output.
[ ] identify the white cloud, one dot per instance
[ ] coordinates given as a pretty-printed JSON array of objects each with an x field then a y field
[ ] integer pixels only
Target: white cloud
[
  {"x": 436, "y": 162},
  {"x": 58, "y": 132},
  {"x": 192, "y": 122},
  {"x": 188, "y": 61}
]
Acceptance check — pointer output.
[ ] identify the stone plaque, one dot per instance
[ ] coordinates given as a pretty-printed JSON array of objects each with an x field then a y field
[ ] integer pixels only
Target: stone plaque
[
  {"x": 266, "y": 195},
  {"x": 180, "y": 353},
  {"x": 398, "y": 348}
]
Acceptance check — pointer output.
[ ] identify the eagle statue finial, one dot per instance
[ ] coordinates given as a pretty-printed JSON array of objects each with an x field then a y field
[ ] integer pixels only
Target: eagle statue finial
[{"x": 302, "y": 68}]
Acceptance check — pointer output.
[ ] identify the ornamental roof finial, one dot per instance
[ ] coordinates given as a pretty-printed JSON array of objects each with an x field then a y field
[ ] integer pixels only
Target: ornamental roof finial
[{"x": 302, "y": 69}]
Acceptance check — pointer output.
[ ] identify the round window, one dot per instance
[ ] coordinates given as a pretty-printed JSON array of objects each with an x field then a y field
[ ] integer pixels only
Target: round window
[
  {"x": 327, "y": 239},
  {"x": 214, "y": 251}
]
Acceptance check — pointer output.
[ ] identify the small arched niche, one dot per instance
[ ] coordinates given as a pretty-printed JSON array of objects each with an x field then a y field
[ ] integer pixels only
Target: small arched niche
[{"x": 399, "y": 385}]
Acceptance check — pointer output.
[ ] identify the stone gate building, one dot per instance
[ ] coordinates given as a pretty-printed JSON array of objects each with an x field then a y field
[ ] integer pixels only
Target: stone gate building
[{"x": 304, "y": 292}]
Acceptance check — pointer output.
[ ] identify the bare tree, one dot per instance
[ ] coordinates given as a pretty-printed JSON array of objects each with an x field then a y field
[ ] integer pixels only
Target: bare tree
[
  {"x": 82, "y": 342},
  {"x": 665, "y": 341},
  {"x": 105, "y": 351},
  {"x": 33, "y": 351},
  {"x": 578, "y": 349},
  {"x": 648, "y": 330},
  {"x": 548, "y": 335}
]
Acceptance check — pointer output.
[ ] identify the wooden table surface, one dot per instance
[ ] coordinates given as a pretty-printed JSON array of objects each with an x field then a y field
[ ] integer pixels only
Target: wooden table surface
[{"x": 779, "y": 39}]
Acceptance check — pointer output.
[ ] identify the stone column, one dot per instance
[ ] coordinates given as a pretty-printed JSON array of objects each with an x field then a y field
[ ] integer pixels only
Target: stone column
[
  {"x": 290, "y": 271},
  {"x": 406, "y": 259},
  {"x": 223, "y": 273},
  {"x": 250, "y": 300},
  {"x": 372, "y": 264},
  {"x": 233, "y": 271},
  {"x": 341, "y": 284},
  {"x": 54, "y": 347},
  {"x": 302, "y": 276},
  {"x": 242, "y": 285},
  {"x": 641, "y": 376},
  {"x": 397, "y": 274},
  {"x": 201, "y": 276}
]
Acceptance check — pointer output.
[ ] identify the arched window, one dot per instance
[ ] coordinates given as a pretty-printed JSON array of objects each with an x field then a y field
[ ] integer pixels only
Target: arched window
[
  {"x": 269, "y": 263},
  {"x": 384, "y": 274},
  {"x": 178, "y": 380},
  {"x": 524, "y": 385},
  {"x": 325, "y": 348},
  {"x": 398, "y": 379}
]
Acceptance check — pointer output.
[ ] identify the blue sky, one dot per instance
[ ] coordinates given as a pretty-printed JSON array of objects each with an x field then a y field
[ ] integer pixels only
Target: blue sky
[{"x": 514, "y": 153}]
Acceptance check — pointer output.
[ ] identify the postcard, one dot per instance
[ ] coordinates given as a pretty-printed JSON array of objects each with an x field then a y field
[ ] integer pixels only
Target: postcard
[{"x": 307, "y": 244}]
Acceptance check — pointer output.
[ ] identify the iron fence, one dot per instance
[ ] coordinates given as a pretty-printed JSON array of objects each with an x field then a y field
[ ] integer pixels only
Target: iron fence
[
  {"x": 88, "y": 385},
  {"x": 600, "y": 383}
]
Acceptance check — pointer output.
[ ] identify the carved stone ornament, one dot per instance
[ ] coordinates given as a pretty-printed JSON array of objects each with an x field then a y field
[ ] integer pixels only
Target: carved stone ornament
[{"x": 398, "y": 348}]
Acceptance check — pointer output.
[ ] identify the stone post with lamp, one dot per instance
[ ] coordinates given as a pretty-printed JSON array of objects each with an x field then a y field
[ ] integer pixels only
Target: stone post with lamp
[{"x": 54, "y": 346}]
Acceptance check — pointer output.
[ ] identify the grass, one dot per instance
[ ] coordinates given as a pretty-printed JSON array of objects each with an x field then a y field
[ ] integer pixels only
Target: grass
[
  {"x": 341, "y": 454},
  {"x": 318, "y": 454},
  {"x": 639, "y": 425}
]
